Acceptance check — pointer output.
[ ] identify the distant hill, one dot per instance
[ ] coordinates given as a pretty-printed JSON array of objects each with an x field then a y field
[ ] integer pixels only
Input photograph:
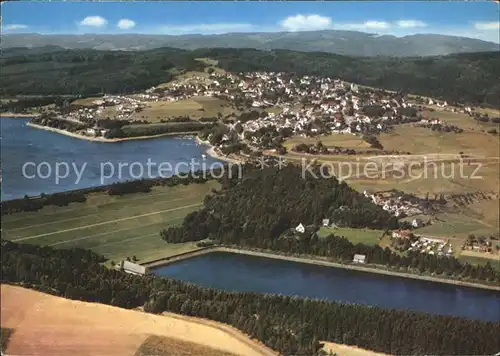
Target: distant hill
[
  {"x": 467, "y": 77},
  {"x": 350, "y": 43}
]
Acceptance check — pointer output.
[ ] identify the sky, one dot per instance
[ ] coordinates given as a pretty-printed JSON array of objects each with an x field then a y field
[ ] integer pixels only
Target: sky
[{"x": 477, "y": 19}]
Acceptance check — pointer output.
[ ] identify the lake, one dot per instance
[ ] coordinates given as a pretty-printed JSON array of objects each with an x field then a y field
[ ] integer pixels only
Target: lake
[
  {"x": 83, "y": 164},
  {"x": 236, "y": 272}
]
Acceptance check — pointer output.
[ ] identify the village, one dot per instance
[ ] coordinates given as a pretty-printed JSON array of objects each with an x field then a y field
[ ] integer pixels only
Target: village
[
  {"x": 302, "y": 105},
  {"x": 398, "y": 206}
]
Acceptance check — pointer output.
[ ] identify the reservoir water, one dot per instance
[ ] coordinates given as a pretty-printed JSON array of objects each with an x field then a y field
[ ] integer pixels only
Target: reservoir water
[
  {"x": 235, "y": 272},
  {"x": 21, "y": 144}
]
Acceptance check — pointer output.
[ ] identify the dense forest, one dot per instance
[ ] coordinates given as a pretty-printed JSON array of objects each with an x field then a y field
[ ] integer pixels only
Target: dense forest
[
  {"x": 262, "y": 209},
  {"x": 290, "y": 325},
  {"x": 21, "y": 104},
  {"x": 91, "y": 72},
  {"x": 470, "y": 77},
  {"x": 60, "y": 124},
  {"x": 265, "y": 203}
]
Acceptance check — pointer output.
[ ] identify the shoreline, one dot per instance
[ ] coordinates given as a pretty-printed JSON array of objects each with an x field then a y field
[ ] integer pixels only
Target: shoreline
[
  {"x": 10, "y": 115},
  {"x": 210, "y": 149},
  {"x": 106, "y": 140},
  {"x": 212, "y": 153},
  {"x": 315, "y": 261}
]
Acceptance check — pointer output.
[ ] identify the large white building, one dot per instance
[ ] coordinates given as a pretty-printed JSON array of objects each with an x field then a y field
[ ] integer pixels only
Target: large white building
[
  {"x": 133, "y": 268},
  {"x": 359, "y": 258}
]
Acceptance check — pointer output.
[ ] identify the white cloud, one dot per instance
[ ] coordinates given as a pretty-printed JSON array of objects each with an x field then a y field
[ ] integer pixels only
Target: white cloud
[
  {"x": 126, "y": 24},
  {"x": 94, "y": 21},
  {"x": 368, "y": 25},
  {"x": 487, "y": 25},
  {"x": 206, "y": 29},
  {"x": 318, "y": 22},
  {"x": 15, "y": 27},
  {"x": 376, "y": 24},
  {"x": 306, "y": 23},
  {"x": 411, "y": 23}
]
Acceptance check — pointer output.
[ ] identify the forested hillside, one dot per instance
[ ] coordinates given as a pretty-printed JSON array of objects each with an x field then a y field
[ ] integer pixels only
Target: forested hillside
[
  {"x": 290, "y": 325},
  {"x": 470, "y": 78},
  {"x": 89, "y": 72}
]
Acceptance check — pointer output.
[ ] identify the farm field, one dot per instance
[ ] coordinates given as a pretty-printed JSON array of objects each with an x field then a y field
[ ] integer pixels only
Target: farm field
[
  {"x": 86, "y": 101},
  {"x": 421, "y": 140},
  {"x": 114, "y": 226},
  {"x": 466, "y": 122},
  {"x": 43, "y": 325},
  {"x": 163, "y": 346},
  {"x": 346, "y": 350},
  {"x": 195, "y": 108},
  {"x": 459, "y": 225},
  {"x": 364, "y": 236},
  {"x": 436, "y": 177},
  {"x": 339, "y": 140}
]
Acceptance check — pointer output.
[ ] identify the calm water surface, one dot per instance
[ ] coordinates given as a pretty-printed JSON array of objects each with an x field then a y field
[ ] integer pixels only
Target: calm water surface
[
  {"x": 235, "y": 272},
  {"x": 21, "y": 144}
]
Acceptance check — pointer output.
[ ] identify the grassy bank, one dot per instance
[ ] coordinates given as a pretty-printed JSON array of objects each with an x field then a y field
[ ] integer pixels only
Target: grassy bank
[{"x": 115, "y": 226}]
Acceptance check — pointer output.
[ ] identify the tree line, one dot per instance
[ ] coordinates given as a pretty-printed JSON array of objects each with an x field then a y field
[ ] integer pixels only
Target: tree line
[
  {"x": 20, "y": 105},
  {"x": 289, "y": 325},
  {"x": 61, "y": 124},
  {"x": 119, "y": 188},
  {"x": 158, "y": 129}
]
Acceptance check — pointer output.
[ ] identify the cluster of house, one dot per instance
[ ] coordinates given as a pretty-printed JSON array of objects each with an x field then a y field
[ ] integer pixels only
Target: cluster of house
[
  {"x": 122, "y": 107},
  {"x": 328, "y": 105},
  {"x": 96, "y": 131},
  {"x": 437, "y": 103},
  {"x": 85, "y": 114},
  {"x": 435, "y": 122},
  {"x": 481, "y": 244},
  {"x": 431, "y": 246},
  {"x": 397, "y": 206},
  {"x": 444, "y": 105},
  {"x": 430, "y": 121},
  {"x": 216, "y": 84},
  {"x": 422, "y": 244}
]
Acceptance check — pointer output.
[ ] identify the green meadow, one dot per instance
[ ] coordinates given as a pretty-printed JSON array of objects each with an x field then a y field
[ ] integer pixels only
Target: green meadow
[{"x": 115, "y": 226}]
